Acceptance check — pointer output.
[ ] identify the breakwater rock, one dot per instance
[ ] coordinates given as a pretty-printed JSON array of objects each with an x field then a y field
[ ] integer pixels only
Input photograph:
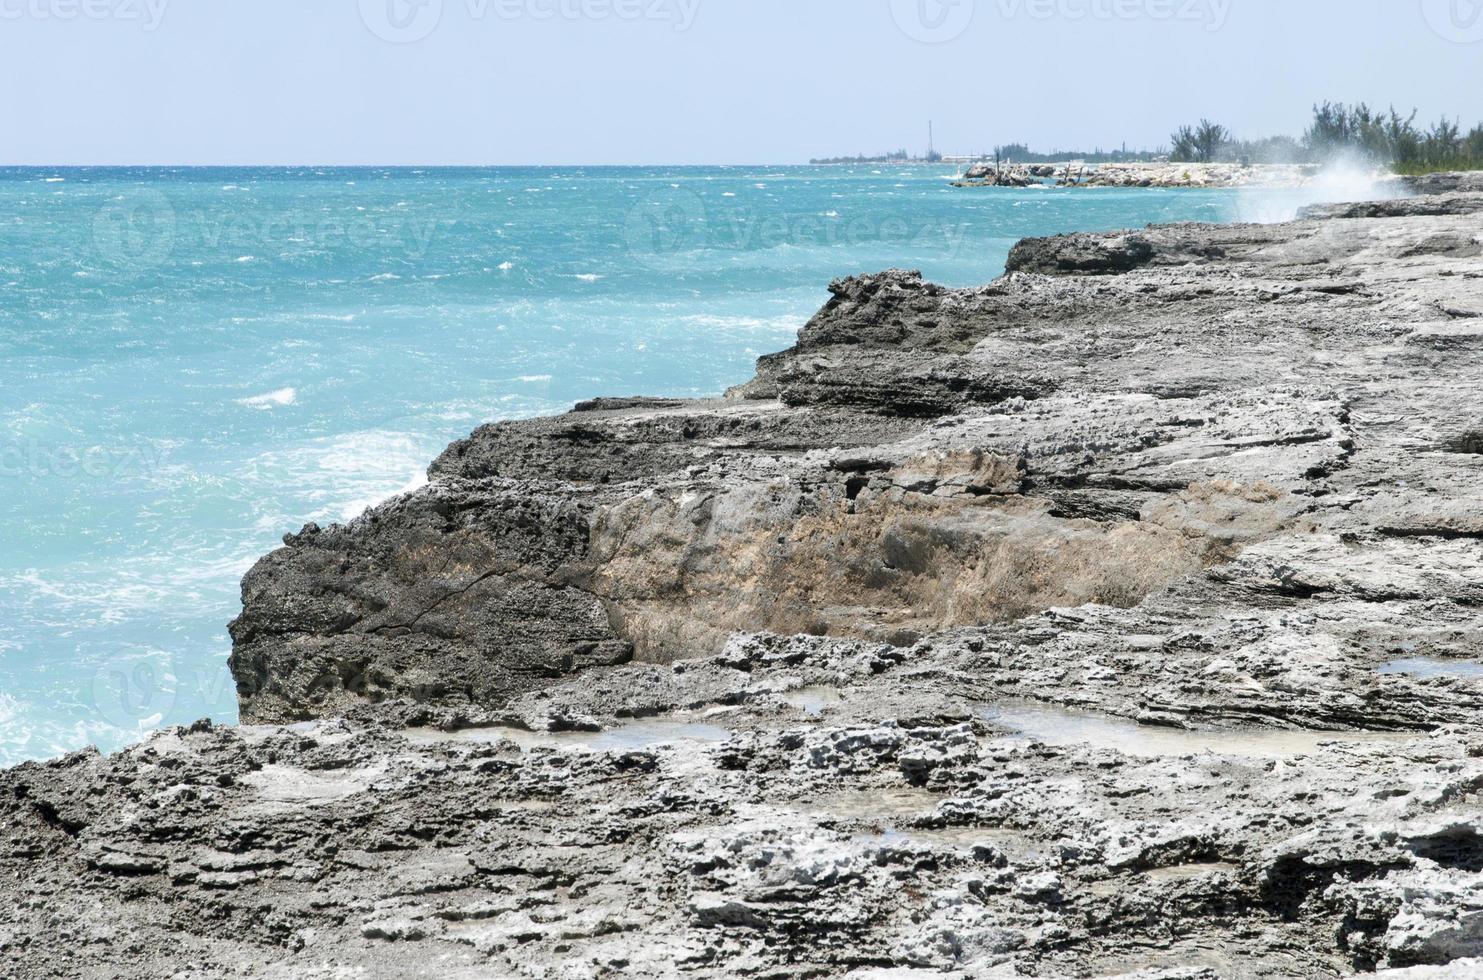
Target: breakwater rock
[{"x": 1170, "y": 175}]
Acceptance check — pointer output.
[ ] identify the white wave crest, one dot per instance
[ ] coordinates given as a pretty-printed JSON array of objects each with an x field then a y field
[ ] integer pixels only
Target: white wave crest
[{"x": 281, "y": 398}]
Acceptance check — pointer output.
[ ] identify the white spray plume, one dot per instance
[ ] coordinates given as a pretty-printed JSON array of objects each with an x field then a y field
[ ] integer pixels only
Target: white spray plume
[{"x": 1344, "y": 178}]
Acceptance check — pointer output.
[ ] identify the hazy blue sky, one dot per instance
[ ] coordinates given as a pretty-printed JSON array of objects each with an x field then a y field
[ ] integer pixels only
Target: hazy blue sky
[{"x": 695, "y": 81}]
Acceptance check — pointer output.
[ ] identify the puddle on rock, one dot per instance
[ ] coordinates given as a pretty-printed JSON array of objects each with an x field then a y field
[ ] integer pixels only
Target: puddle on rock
[
  {"x": 631, "y": 736},
  {"x": 1012, "y": 844},
  {"x": 301, "y": 787},
  {"x": 1191, "y": 872},
  {"x": 1054, "y": 726},
  {"x": 813, "y": 701},
  {"x": 873, "y": 804},
  {"x": 1427, "y": 667}
]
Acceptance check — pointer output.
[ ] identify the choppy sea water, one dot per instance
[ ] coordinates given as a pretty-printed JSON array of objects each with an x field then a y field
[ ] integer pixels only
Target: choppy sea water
[{"x": 193, "y": 362}]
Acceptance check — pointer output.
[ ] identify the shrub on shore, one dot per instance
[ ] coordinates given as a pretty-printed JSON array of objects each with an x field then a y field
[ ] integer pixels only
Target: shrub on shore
[
  {"x": 1390, "y": 138},
  {"x": 1384, "y": 138},
  {"x": 1199, "y": 144}
]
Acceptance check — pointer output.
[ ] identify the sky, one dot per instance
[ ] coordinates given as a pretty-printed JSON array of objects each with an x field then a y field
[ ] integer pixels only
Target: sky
[{"x": 563, "y": 82}]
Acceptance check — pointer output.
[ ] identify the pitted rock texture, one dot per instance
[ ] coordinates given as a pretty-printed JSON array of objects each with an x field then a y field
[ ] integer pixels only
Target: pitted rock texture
[
  {"x": 1112, "y": 619},
  {"x": 805, "y": 807},
  {"x": 1115, "y": 415}
]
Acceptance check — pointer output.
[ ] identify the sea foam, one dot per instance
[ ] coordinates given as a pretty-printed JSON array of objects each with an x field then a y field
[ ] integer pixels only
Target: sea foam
[{"x": 281, "y": 398}]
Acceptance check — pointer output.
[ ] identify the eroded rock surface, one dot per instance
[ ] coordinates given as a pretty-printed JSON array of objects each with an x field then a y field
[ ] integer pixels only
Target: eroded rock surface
[{"x": 1062, "y": 627}]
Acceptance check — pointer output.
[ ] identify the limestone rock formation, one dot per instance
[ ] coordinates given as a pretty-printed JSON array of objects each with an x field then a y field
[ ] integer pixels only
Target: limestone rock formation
[{"x": 1120, "y": 617}]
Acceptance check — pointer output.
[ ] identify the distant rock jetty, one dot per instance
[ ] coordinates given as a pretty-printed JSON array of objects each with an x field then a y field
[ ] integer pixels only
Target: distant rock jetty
[
  {"x": 1120, "y": 617},
  {"x": 1075, "y": 174}
]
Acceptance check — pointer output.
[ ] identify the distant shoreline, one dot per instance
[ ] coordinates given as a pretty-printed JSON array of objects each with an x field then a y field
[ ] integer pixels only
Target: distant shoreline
[{"x": 1150, "y": 175}]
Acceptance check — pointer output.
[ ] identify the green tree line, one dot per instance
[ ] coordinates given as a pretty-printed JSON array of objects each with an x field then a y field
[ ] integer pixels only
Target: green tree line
[{"x": 1337, "y": 128}]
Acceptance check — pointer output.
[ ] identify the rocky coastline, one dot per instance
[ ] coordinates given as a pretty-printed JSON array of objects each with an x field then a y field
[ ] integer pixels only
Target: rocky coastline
[
  {"x": 1159, "y": 175},
  {"x": 1117, "y": 618}
]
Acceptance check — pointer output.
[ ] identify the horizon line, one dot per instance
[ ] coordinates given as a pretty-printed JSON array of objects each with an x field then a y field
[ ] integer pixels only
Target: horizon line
[{"x": 396, "y": 166}]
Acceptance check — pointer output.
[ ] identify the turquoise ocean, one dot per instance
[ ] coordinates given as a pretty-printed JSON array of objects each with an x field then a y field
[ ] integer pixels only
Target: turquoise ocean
[{"x": 195, "y": 361}]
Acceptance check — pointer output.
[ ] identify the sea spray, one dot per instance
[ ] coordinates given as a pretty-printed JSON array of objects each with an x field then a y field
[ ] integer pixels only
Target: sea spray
[{"x": 1346, "y": 177}]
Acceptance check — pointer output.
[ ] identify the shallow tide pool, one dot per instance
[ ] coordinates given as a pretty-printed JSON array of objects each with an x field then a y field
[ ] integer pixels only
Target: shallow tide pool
[{"x": 1425, "y": 667}]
